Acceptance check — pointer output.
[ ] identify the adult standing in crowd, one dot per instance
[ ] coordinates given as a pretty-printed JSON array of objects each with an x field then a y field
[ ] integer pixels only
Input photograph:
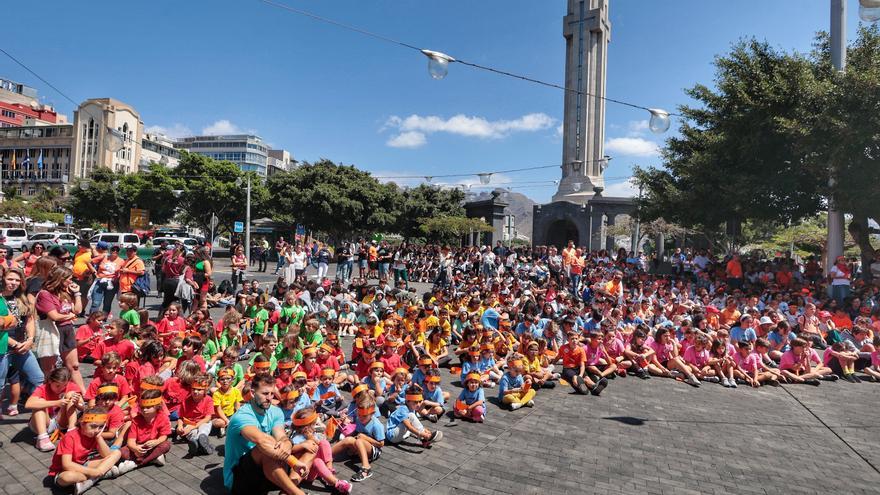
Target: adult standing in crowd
[
  {"x": 173, "y": 265},
  {"x": 17, "y": 333},
  {"x": 239, "y": 266},
  {"x": 105, "y": 286},
  {"x": 132, "y": 269},
  {"x": 203, "y": 271},
  {"x": 280, "y": 247},
  {"x": 57, "y": 305},
  {"x": 323, "y": 256}
]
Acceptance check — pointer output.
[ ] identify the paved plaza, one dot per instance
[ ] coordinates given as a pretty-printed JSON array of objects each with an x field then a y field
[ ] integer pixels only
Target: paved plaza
[{"x": 648, "y": 437}]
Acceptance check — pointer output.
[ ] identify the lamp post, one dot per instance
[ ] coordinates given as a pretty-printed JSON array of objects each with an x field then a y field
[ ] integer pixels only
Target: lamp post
[{"x": 247, "y": 220}]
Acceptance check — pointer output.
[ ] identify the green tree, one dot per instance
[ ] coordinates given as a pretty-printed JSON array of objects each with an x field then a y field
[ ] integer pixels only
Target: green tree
[
  {"x": 424, "y": 201},
  {"x": 450, "y": 229},
  {"x": 217, "y": 187},
  {"x": 96, "y": 200},
  {"x": 339, "y": 200}
]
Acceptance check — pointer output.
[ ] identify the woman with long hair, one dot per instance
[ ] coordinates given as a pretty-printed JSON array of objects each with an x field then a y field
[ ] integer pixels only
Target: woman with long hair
[
  {"x": 16, "y": 358},
  {"x": 57, "y": 305},
  {"x": 203, "y": 269},
  {"x": 34, "y": 282},
  {"x": 239, "y": 266}
]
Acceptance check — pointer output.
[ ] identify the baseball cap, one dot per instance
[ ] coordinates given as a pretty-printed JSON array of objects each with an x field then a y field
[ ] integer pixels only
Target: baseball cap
[
  {"x": 765, "y": 320},
  {"x": 102, "y": 245}
]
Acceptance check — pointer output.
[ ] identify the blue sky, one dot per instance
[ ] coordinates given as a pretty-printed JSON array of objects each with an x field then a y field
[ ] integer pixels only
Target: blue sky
[{"x": 321, "y": 92}]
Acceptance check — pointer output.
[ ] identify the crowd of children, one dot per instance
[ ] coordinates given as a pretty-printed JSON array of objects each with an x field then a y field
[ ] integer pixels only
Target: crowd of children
[{"x": 181, "y": 379}]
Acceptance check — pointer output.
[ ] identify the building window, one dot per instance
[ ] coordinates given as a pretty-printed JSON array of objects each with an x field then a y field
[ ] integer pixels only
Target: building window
[
  {"x": 31, "y": 190},
  {"x": 9, "y": 113}
]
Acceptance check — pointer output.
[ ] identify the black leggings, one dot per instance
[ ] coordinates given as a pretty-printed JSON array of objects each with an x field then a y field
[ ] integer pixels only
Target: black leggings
[{"x": 575, "y": 380}]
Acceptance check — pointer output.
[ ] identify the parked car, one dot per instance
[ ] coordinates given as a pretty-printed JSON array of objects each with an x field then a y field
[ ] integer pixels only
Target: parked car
[
  {"x": 51, "y": 239},
  {"x": 188, "y": 242},
  {"x": 14, "y": 236},
  {"x": 120, "y": 239}
]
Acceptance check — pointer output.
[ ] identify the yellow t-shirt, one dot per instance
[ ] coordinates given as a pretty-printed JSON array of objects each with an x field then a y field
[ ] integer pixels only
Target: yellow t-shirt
[
  {"x": 533, "y": 366},
  {"x": 81, "y": 263},
  {"x": 435, "y": 350},
  {"x": 228, "y": 400}
]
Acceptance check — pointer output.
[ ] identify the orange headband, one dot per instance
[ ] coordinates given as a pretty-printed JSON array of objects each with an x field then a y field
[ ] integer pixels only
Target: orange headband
[
  {"x": 432, "y": 379},
  {"x": 472, "y": 376},
  {"x": 306, "y": 420},
  {"x": 300, "y": 375},
  {"x": 224, "y": 374},
  {"x": 200, "y": 385},
  {"x": 150, "y": 402},
  {"x": 366, "y": 411},
  {"x": 309, "y": 351},
  {"x": 328, "y": 372},
  {"x": 377, "y": 364},
  {"x": 360, "y": 388},
  {"x": 400, "y": 370},
  {"x": 414, "y": 397},
  {"x": 426, "y": 361},
  {"x": 292, "y": 395},
  {"x": 107, "y": 389},
  {"x": 150, "y": 386},
  {"x": 262, "y": 365},
  {"x": 286, "y": 365},
  {"x": 94, "y": 418},
  {"x": 516, "y": 363},
  {"x": 326, "y": 347}
]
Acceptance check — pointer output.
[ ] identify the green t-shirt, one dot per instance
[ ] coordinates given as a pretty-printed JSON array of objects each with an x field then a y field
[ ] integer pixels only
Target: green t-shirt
[
  {"x": 282, "y": 352},
  {"x": 226, "y": 341},
  {"x": 308, "y": 339},
  {"x": 132, "y": 317},
  {"x": 295, "y": 313},
  {"x": 260, "y": 320},
  {"x": 210, "y": 348},
  {"x": 4, "y": 335}
]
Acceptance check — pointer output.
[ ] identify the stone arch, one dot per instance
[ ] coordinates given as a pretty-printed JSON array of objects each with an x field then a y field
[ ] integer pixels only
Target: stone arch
[{"x": 561, "y": 231}]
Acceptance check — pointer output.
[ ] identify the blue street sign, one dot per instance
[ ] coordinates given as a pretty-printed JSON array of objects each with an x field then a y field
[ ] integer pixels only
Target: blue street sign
[
  {"x": 300, "y": 230},
  {"x": 238, "y": 227},
  {"x": 68, "y": 219}
]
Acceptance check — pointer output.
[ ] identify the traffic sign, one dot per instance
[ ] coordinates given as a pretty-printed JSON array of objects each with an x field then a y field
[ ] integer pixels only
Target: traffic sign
[
  {"x": 300, "y": 229},
  {"x": 68, "y": 219},
  {"x": 238, "y": 227}
]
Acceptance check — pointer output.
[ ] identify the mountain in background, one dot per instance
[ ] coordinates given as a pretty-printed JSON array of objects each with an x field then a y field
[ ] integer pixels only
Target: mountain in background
[{"x": 521, "y": 209}]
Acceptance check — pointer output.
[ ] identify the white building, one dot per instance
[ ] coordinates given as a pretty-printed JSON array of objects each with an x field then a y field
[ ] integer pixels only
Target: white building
[
  {"x": 158, "y": 148},
  {"x": 92, "y": 120}
]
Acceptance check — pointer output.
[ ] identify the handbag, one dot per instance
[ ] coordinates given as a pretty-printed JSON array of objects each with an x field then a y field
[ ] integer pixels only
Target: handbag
[{"x": 184, "y": 291}]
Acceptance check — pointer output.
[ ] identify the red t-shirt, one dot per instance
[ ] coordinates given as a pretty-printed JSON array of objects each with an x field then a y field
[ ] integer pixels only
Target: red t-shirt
[
  {"x": 77, "y": 446},
  {"x": 196, "y": 411},
  {"x": 168, "y": 329},
  {"x": 283, "y": 382},
  {"x": 124, "y": 348},
  {"x": 118, "y": 380},
  {"x": 115, "y": 417},
  {"x": 85, "y": 350},
  {"x": 45, "y": 392},
  {"x": 363, "y": 369},
  {"x": 572, "y": 358},
  {"x": 330, "y": 362},
  {"x": 391, "y": 362},
  {"x": 174, "y": 394},
  {"x": 142, "y": 430},
  {"x": 312, "y": 374}
]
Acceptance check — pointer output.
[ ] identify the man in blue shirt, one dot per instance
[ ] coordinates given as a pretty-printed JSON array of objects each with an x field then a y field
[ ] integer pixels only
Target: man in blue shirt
[{"x": 257, "y": 448}]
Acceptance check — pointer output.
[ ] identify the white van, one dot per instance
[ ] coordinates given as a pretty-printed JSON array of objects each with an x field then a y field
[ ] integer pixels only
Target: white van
[
  {"x": 14, "y": 236},
  {"x": 120, "y": 239}
]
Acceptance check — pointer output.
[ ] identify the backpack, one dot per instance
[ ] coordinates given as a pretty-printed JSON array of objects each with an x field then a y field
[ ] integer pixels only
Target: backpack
[{"x": 141, "y": 285}]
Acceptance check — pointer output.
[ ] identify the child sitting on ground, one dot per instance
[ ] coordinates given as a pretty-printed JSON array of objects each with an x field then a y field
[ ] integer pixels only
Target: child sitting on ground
[
  {"x": 195, "y": 415},
  {"x": 471, "y": 403},
  {"x": 74, "y": 464},
  {"x": 54, "y": 405},
  {"x": 227, "y": 399},
  {"x": 304, "y": 438},
  {"x": 148, "y": 436},
  {"x": 514, "y": 390},
  {"x": 405, "y": 422}
]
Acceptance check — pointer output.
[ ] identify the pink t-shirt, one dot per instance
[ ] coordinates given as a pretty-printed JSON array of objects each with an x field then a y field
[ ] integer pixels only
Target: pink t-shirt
[
  {"x": 664, "y": 352},
  {"x": 614, "y": 347},
  {"x": 696, "y": 358},
  {"x": 749, "y": 364},
  {"x": 593, "y": 355},
  {"x": 788, "y": 360},
  {"x": 875, "y": 358}
]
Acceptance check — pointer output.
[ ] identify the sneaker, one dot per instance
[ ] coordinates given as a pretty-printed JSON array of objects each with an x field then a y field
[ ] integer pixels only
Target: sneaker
[
  {"x": 375, "y": 454},
  {"x": 692, "y": 381},
  {"x": 855, "y": 378},
  {"x": 43, "y": 444},
  {"x": 362, "y": 475},
  {"x": 830, "y": 378},
  {"x": 205, "y": 445},
  {"x": 433, "y": 418},
  {"x": 125, "y": 466},
  {"x": 12, "y": 410},
  {"x": 725, "y": 382},
  {"x": 848, "y": 378},
  {"x": 160, "y": 461},
  {"x": 111, "y": 473},
  {"x": 643, "y": 374},
  {"x": 343, "y": 487},
  {"x": 600, "y": 386},
  {"x": 732, "y": 383},
  {"x": 515, "y": 406},
  {"x": 82, "y": 486},
  {"x": 222, "y": 433},
  {"x": 436, "y": 436},
  {"x": 192, "y": 448},
  {"x": 530, "y": 403},
  {"x": 812, "y": 381},
  {"x": 711, "y": 379}
]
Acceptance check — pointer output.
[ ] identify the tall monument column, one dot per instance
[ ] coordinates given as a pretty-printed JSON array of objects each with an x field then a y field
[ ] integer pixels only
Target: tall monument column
[{"x": 587, "y": 33}]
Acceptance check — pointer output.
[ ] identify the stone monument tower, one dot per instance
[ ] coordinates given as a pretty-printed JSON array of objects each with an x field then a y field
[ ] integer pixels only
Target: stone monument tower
[{"x": 587, "y": 33}]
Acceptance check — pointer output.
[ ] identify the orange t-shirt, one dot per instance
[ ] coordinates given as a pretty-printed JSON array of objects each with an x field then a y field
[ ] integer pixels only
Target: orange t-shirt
[
  {"x": 572, "y": 358},
  {"x": 108, "y": 268},
  {"x": 729, "y": 317},
  {"x": 734, "y": 269}
]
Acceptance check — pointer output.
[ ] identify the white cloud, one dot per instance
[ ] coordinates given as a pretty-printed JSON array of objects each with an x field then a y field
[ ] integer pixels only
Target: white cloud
[
  {"x": 463, "y": 125},
  {"x": 176, "y": 130},
  {"x": 637, "y": 127},
  {"x": 559, "y": 130},
  {"x": 626, "y": 189},
  {"x": 632, "y": 146},
  {"x": 409, "y": 139},
  {"x": 221, "y": 127}
]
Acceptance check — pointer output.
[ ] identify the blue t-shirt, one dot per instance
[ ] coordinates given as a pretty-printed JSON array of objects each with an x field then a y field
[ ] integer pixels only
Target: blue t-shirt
[
  {"x": 469, "y": 397},
  {"x": 418, "y": 378},
  {"x": 777, "y": 338},
  {"x": 467, "y": 367},
  {"x": 303, "y": 402},
  {"x": 374, "y": 428},
  {"x": 485, "y": 364},
  {"x": 396, "y": 418},
  {"x": 368, "y": 381},
  {"x": 321, "y": 390},
  {"x": 236, "y": 445},
  {"x": 508, "y": 382},
  {"x": 738, "y": 334},
  {"x": 490, "y": 318},
  {"x": 351, "y": 411},
  {"x": 435, "y": 396}
]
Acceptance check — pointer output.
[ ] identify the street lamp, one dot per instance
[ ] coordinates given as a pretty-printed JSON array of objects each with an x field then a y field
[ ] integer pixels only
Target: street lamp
[
  {"x": 869, "y": 10},
  {"x": 247, "y": 219},
  {"x": 438, "y": 63},
  {"x": 659, "y": 122},
  {"x": 485, "y": 178},
  {"x": 84, "y": 184}
]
